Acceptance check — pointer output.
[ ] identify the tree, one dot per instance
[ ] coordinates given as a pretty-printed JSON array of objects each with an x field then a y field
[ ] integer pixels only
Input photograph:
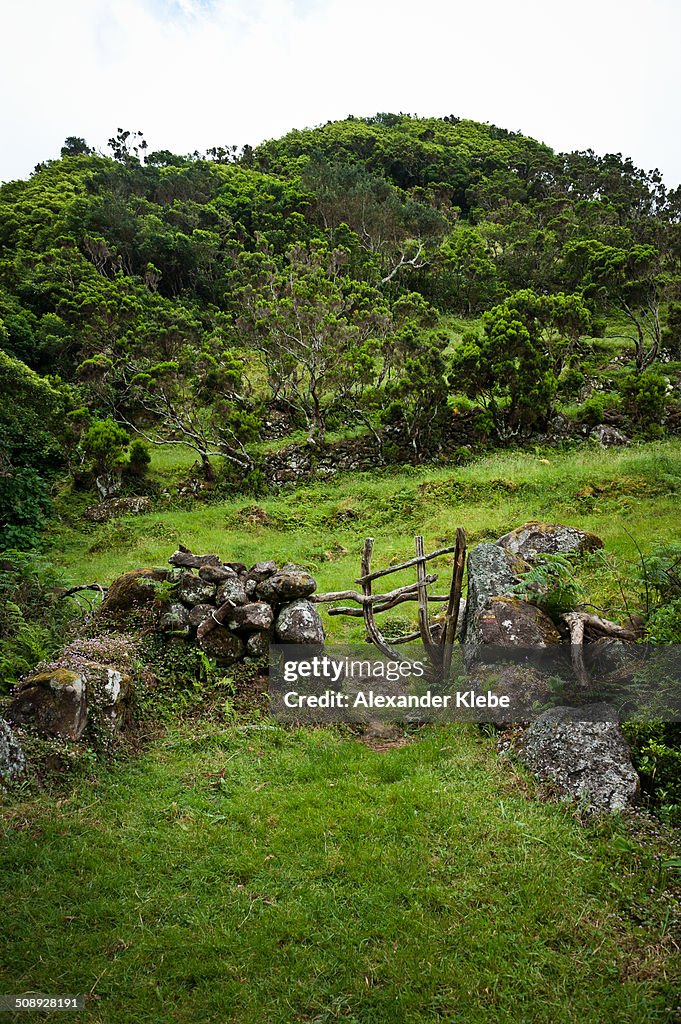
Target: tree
[
  {"x": 630, "y": 281},
  {"x": 75, "y": 146},
  {"x": 318, "y": 332},
  {"x": 510, "y": 368}
]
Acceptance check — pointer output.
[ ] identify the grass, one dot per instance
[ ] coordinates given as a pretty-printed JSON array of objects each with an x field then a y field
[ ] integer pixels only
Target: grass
[
  {"x": 616, "y": 493},
  {"x": 249, "y": 873},
  {"x": 257, "y": 875}
]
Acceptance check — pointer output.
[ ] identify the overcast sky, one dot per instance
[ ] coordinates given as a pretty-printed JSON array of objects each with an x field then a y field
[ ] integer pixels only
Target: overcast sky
[{"x": 196, "y": 73}]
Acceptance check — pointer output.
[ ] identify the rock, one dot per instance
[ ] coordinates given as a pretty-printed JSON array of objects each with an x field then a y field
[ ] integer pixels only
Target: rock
[
  {"x": 524, "y": 684},
  {"x": 215, "y": 573},
  {"x": 199, "y": 614},
  {"x": 175, "y": 619},
  {"x": 261, "y": 571},
  {"x": 116, "y": 507},
  {"x": 548, "y": 538},
  {"x": 299, "y": 623},
  {"x": 250, "y": 618},
  {"x": 194, "y": 590},
  {"x": 222, "y": 645},
  {"x": 12, "y": 761},
  {"x": 63, "y": 702},
  {"x": 186, "y": 560},
  {"x": 250, "y": 586},
  {"x": 232, "y": 590},
  {"x": 609, "y": 437},
  {"x": 286, "y": 584},
  {"x": 582, "y": 754},
  {"x": 511, "y": 622},
  {"x": 134, "y": 588},
  {"x": 258, "y": 644},
  {"x": 492, "y": 571},
  {"x": 54, "y": 703},
  {"x": 238, "y": 567}
]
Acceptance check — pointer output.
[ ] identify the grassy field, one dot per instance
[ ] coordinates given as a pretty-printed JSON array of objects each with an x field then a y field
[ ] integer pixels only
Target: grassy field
[
  {"x": 260, "y": 875},
  {"x": 238, "y": 871},
  {"x": 628, "y": 496}
]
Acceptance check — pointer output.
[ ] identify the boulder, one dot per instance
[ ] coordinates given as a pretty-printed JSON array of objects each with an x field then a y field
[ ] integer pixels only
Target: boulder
[
  {"x": 299, "y": 623},
  {"x": 535, "y": 538},
  {"x": 287, "y": 584},
  {"x": 258, "y": 644},
  {"x": 261, "y": 571},
  {"x": 199, "y": 614},
  {"x": 12, "y": 761},
  {"x": 511, "y": 622},
  {"x": 135, "y": 588},
  {"x": 215, "y": 573},
  {"x": 492, "y": 571},
  {"x": 238, "y": 567},
  {"x": 53, "y": 702},
  {"x": 582, "y": 755},
  {"x": 175, "y": 619},
  {"x": 609, "y": 437},
  {"x": 194, "y": 590},
  {"x": 232, "y": 590},
  {"x": 116, "y": 507},
  {"x": 250, "y": 618},
  {"x": 63, "y": 702},
  {"x": 222, "y": 645}
]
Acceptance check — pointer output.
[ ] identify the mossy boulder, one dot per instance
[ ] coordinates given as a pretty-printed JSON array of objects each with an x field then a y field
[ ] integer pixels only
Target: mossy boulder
[
  {"x": 137, "y": 587},
  {"x": 534, "y": 539}
]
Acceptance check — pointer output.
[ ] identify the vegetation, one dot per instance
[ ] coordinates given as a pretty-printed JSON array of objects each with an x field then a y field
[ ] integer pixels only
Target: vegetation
[{"x": 462, "y": 306}]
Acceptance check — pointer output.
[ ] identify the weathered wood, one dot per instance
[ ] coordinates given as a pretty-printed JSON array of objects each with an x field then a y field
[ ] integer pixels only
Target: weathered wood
[
  {"x": 452, "y": 613},
  {"x": 404, "y": 565},
  {"x": 368, "y": 607},
  {"x": 433, "y": 650},
  {"x": 352, "y": 595},
  {"x": 358, "y": 613}
]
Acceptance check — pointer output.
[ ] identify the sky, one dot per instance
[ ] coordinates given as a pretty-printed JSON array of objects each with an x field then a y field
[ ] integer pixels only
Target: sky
[{"x": 191, "y": 74}]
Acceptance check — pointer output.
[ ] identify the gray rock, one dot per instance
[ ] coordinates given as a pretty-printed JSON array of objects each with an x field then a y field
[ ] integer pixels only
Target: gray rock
[
  {"x": 216, "y": 573},
  {"x": 251, "y": 618},
  {"x": 261, "y": 571},
  {"x": 175, "y": 619},
  {"x": 232, "y": 590},
  {"x": 199, "y": 614},
  {"x": 223, "y": 646},
  {"x": 238, "y": 567},
  {"x": 511, "y": 622},
  {"x": 250, "y": 586},
  {"x": 116, "y": 507},
  {"x": 491, "y": 572},
  {"x": 535, "y": 538},
  {"x": 194, "y": 590},
  {"x": 609, "y": 437},
  {"x": 582, "y": 754},
  {"x": 258, "y": 644},
  {"x": 299, "y": 623},
  {"x": 287, "y": 584},
  {"x": 187, "y": 560},
  {"x": 12, "y": 761},
  {"x": 63, "y": 702}
]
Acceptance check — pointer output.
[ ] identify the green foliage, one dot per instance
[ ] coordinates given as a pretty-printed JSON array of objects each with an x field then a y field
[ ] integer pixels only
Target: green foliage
[
  {"x": 104, "y": 444},
  {"x": 664, "y": 624},
  {"x": 656, "y": 751},
  {"x": 139, "y": 458},
  {"x": 552, "y": 585},
  {"x": 33, "y": 619},
  {"x": 645, "y": 396}
]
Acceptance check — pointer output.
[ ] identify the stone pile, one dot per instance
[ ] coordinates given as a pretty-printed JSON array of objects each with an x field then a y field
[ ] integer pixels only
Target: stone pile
[{"x": 233, "y": 611}]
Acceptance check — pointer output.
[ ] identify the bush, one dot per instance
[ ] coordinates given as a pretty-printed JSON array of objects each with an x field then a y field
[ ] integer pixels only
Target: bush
[
  {"x": 645, "y": 397},
  {"x": 33, "y": 620},
  {"x": 551, "y": 585},
  {"x": 656, "y": 752},
  {"x": 138, "y": 459}
]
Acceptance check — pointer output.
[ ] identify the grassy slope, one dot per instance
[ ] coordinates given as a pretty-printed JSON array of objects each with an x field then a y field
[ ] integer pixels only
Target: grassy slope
[
  {"x": 323, "y": 525},
  {"x": 258, "y": 875}
]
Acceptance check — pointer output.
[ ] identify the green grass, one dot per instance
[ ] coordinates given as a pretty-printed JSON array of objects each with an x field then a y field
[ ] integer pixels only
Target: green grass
[
  {"x": 270, "y": 876},
  {"x": 619, "y": 494}
]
